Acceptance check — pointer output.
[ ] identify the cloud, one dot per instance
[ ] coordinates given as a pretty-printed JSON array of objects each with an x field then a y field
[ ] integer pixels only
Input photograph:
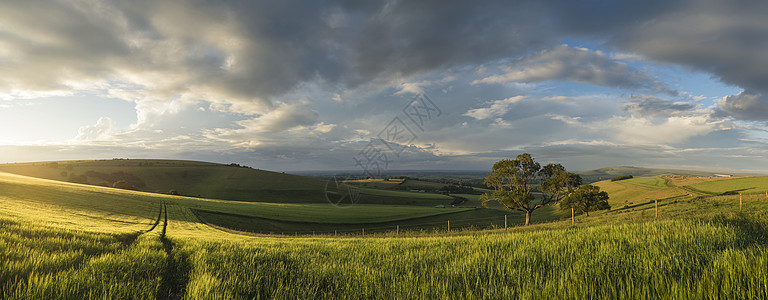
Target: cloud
[
  {"x": 672, "y": 130},
  {"x": 650, "y": 106},
  {"x": 495, "y": 109},
  {"x": 245, "y": 54},
  {"x": 222, "y": 78},
  {"x": 747, "y": 105},
  {"x": 102, "y": 130},
  {"x": 284, "y": 124},
  {"x": 715, "y": 37},
  {"x": 564, "y": 63},
  {"x": 284, "y": 117}
]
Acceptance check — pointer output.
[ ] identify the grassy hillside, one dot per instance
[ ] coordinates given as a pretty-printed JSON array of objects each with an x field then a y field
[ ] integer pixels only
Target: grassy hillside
[
  {"x": 26, "y": 197},
  {"x": 207, "y": 180},
  {"x": 744, "y": 185},
  {"x": 151, "y": 246},
  {"x": 610, "y": 172},
  {"x": 650, "y": 182}
]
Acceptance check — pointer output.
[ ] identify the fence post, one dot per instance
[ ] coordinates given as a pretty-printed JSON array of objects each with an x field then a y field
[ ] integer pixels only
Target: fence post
[
  {"x": 398, "y": 230},
  {"x": 572, "y": 217},
  {"x": 505, "y": 222},
  {"x": 363, "y": 230},
  {"x": 740, "y": 196},
  {"x": 657, "y": 208},
  {"x": 449, "y": 225}
]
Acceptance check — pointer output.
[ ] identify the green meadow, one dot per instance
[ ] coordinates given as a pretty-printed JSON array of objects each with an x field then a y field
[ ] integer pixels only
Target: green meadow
[
  {"x": 743, "y": 185},
  {"x": 66, "y": 240}
]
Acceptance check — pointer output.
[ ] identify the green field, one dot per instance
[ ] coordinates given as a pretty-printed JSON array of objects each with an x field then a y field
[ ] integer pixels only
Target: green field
[
  {"x": 745, "y": 185},
  {"x": 610, "y": 172},
  {"x": 650, "y": 182},
  {"x": 62, "y": 240},
  {"x": 209, "y": 180}
]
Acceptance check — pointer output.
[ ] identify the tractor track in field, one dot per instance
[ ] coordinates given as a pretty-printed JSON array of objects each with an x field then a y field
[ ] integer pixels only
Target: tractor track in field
[
  {"x": 159, "y": 216},
  {"x": 177, "y": 266}
]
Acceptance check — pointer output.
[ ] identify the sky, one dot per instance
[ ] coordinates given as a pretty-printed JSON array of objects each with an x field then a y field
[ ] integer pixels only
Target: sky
[{"x": 373, "y": 86}]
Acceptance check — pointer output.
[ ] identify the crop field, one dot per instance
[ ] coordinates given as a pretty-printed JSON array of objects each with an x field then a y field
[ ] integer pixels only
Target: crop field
[{"x": 62, "y": 240}]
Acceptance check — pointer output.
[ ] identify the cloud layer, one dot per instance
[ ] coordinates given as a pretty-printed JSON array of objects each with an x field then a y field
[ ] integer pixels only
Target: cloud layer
[{"x": 296, "y": 85}]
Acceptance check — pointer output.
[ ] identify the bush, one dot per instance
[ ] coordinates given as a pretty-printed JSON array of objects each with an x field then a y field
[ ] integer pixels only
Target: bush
[{"x": 622, "y": 177}]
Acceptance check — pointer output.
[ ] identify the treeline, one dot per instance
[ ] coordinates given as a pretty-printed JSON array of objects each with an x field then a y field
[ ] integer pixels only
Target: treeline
[{"x": 622, "y": 177}]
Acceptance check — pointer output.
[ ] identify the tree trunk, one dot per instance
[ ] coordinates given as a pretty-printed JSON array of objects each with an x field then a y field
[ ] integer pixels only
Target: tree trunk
[
  {"x": 527, "y": 218},
  {"x": 587, "y": 212}
]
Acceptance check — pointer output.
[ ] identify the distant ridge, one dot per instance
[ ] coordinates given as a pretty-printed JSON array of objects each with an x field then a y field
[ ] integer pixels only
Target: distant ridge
[
  {"x": 208, "y": 180},
  {"x": 610, "y": 172},
  {"x": 188, "y": 178}
]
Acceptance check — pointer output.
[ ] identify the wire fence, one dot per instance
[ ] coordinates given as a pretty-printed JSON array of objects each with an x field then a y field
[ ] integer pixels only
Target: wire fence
[
  {"x": 406, "y": 227},
  {"x": 447, "y": 225}
]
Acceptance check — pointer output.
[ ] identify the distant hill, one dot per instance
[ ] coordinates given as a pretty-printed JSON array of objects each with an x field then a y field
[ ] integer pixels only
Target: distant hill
[
  {"x": 205, "y": 180},
  {"x": 610, "y": 172},
  {"x": 191, "y": 178}
]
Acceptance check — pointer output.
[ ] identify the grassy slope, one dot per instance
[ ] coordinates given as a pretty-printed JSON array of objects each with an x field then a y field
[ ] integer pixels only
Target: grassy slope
[
  {"x": 656, "y": 260},
  {"x": 135, "y": 208},
  {"x": 215, "y": 181},
  {"x": 610, "y": 172},
  {"x": 650, "y": 182},
  {"x": 747, "y": 185},
  {"x": 723, "y": 257}
]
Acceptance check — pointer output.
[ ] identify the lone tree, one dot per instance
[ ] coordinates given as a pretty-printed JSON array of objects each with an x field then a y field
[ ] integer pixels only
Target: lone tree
[
  {"x": 512, "y": 181},
  {"x": 585, "y": 199}
]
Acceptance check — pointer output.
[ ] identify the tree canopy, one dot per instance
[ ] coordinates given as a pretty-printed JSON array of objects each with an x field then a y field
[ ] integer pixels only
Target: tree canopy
[
  {"x": 585, "y": 199},
  {"x": 513, "y": 183}
]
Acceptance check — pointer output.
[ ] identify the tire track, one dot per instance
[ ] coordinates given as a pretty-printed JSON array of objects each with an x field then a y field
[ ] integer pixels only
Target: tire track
[
  {"x": 159, "y": 216},
  {"x": 176, "y": 276}
]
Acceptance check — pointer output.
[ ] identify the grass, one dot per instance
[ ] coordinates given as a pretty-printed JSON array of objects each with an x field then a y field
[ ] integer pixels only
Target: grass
[
  {"x": 610, "y": 172},
  {"x": 668, "y": 259},
  {"x": 459, "y": 219},
  {"x": 745, "y": 185},
  {"x": 60, "y": 240},
  {"x": 40, "y": 262},
  {"x": 650, "y": 182},
  {"x": 215, "y": 181}
]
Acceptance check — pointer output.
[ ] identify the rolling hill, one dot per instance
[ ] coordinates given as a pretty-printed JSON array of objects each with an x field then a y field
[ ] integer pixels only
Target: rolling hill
[
  {"x": 207, "y": 180},
  {"x": 610, "y": 172},
  {"x": 62, "y": 240}
]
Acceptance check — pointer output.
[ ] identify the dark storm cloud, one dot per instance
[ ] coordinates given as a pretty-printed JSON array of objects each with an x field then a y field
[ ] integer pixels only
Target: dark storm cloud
[
  {"x": 254, "y": 59},
  {"x": 248, "y": 52},
  {"x": 747, "y": 105},
  {"x": 253, "y": 51}
]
